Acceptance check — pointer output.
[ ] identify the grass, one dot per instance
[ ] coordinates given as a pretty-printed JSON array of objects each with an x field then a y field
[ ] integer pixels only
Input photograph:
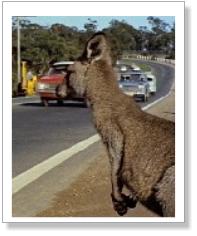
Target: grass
[{"x": 144, "y": 67}]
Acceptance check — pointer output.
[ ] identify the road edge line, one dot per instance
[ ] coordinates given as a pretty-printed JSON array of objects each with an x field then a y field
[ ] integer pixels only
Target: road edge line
[
  {"x": 157, "y": 101},
  {"x": 27, "y": 177}
]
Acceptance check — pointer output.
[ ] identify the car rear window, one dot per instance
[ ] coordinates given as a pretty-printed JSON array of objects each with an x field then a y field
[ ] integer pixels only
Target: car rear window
[
  {"x": 132, "y": 77},
  {"x": 56, "y": 70}
]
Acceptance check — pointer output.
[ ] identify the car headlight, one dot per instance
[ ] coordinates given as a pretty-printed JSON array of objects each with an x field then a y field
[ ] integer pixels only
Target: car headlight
[{"x": 43, "y": 86}]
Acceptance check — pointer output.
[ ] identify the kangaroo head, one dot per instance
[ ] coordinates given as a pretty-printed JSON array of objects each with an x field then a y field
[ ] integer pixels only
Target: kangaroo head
[{"x": 96, "y": 49}]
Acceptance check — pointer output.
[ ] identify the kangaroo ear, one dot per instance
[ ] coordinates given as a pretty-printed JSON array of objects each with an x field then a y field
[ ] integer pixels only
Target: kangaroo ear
[{"x": 97, "y": 48}]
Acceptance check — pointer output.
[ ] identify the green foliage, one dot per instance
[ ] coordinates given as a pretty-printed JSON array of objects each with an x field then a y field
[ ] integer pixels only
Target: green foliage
[
  {"x": 161, "y": 37},
  {"x": 143, "y": 67}
]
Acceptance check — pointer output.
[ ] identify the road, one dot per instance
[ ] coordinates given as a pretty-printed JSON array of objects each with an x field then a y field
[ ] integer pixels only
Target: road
[
  {"x": 40, "y": 132},
  {"x": 71, "y": 188}
]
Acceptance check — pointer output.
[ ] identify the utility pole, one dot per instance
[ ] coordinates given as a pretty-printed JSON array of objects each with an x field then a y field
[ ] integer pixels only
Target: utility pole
[{"x": 18, "y": 50}]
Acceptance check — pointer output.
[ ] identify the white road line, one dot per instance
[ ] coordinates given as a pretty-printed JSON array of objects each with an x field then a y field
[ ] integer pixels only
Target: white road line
[
  {"x": 38, "y": 170},
  {"x": 156, "y": 101}
]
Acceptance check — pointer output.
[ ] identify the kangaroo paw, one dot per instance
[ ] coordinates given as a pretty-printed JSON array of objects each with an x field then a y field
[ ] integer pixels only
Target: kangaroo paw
[
  {"x": 119, "y": 206},
  {"x": 130, "y": 201}
]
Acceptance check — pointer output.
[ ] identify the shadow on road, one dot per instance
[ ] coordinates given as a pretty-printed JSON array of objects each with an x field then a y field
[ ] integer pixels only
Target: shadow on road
[{"x": 69, "y": 104}]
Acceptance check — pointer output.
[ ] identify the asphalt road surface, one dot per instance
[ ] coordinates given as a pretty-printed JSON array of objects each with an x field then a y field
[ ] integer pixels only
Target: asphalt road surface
[{"x": 40, "y": 132}]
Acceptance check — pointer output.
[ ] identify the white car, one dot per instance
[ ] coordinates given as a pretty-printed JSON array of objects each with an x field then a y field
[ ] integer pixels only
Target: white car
[
  {"x": 152, "y": 83},
  {"x": 134, "y": 83}
]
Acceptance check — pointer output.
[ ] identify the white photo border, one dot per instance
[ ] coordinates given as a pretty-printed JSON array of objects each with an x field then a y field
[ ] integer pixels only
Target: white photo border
[{"x": 88, "y": 8}]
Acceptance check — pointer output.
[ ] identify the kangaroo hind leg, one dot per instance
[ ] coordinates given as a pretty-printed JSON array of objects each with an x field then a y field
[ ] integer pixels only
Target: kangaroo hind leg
[{"x": 116, "y": 154}]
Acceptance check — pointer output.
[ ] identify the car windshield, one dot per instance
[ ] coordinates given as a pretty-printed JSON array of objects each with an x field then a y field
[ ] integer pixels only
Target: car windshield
[
  {"x": 57, "y": 70},
  {"x": 132, "y": 77}
]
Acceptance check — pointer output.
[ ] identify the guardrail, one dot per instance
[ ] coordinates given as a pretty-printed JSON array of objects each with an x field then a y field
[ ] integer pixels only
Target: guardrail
[{"x": 151, "y": 58}]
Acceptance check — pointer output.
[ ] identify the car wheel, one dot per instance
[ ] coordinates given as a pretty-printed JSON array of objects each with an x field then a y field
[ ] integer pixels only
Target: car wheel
[{"x": 45, "y": 102}]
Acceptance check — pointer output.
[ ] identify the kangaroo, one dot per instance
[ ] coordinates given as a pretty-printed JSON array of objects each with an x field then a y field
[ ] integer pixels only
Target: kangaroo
[{"x": 140, "y": 146}]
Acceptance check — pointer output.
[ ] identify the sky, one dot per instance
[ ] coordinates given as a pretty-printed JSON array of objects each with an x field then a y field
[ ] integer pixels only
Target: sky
[{"x": 102, "y": 21}]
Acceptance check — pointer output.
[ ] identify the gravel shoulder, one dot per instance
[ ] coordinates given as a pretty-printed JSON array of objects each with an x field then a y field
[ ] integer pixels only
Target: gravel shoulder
[{"x": 89, "y": 194}]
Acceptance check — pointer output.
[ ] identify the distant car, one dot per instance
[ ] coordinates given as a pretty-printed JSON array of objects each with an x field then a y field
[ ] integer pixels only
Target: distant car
[
  {"x": 126, "y": 67},
  {"x": 152, "y": 83},
  {"x": 134, "y": 67},
  {"x": 134, "y": 83},
  {"x": 123, "y": 68},
  {"x": 48, "y": 83}
]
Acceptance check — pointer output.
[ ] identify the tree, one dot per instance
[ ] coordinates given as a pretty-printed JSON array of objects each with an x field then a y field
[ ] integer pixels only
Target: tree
[
  {"x": 161, "y": 37},
  {"x": 158, "y": 25},
  {"x": 40, "y": 44},
  {"x": 122, "y": 37}
]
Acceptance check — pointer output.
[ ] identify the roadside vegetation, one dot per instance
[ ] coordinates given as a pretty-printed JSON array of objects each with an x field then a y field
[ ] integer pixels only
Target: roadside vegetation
[
  {"x": 42, "y": 45},
  {"x": 144, "y": 67}
]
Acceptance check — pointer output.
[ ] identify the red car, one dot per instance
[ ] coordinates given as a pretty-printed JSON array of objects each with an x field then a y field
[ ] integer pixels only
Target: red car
[{"x": 48, "y": 83}]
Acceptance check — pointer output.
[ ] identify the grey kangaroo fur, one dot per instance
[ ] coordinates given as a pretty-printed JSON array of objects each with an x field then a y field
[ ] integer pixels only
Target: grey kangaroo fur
[{"x": 140, "y": 146}]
